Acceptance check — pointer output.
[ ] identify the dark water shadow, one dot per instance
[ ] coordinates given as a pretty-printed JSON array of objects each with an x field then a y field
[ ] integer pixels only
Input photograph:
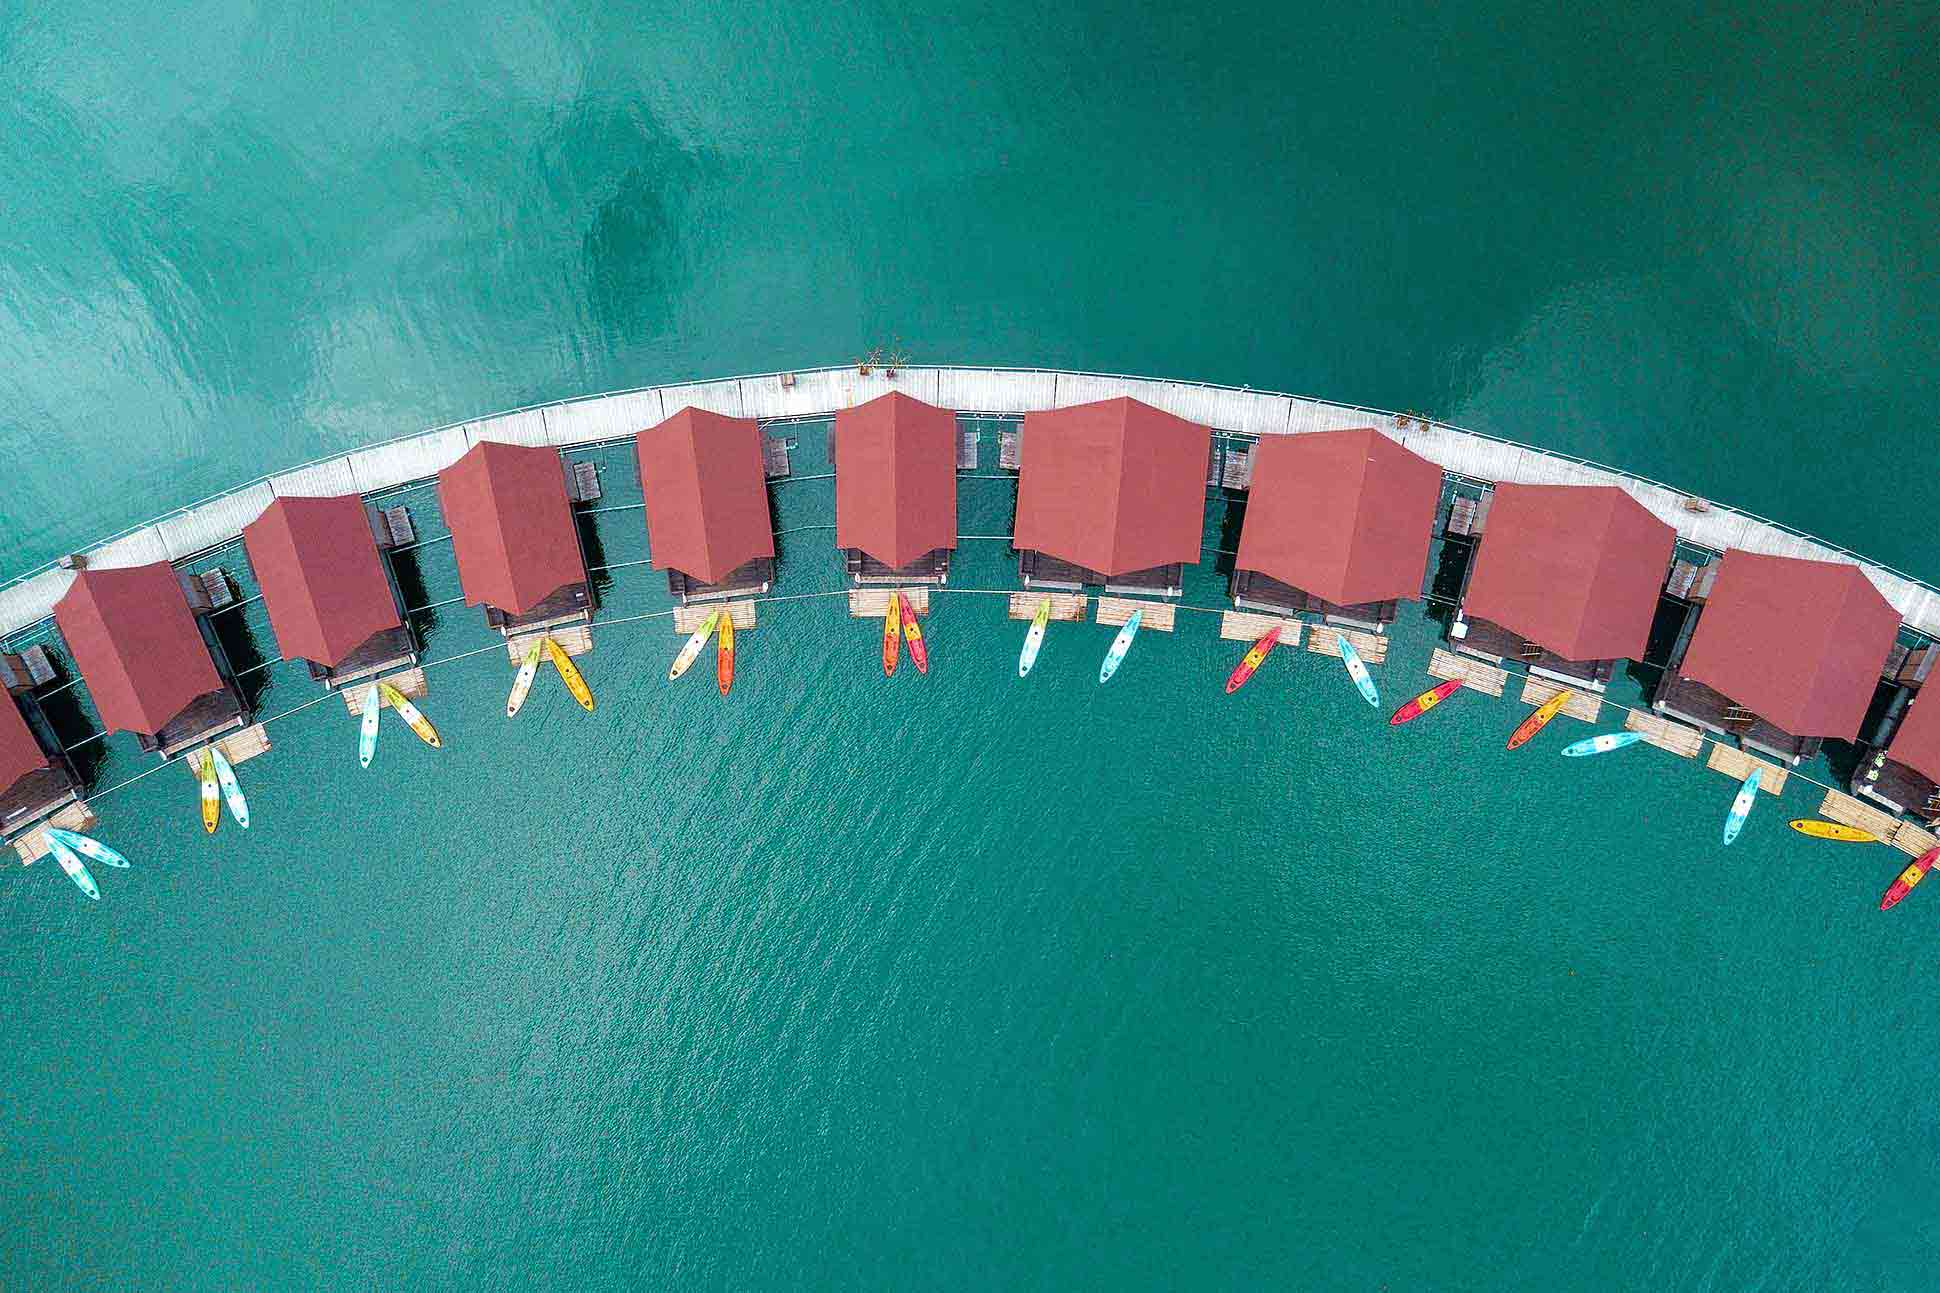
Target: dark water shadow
[
  {"x": 247, "y": 662},
  {"x": 411, "y": 589},
  {"x": 594, "y": 550}
]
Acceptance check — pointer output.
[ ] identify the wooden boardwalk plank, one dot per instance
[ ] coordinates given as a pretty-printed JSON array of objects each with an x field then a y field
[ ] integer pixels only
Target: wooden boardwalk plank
[
  {"x": 1847, "y": 811},
  {"x": 1586, "y": 705},
  {"x": 1913, "y": 841},
  {"x": 1115, "y": 611},
  {"x": 76, "y": 816},
  {"x": 873, "y": 603},
  {"x": 1737, "y": 765},
  {"x": 689, "y": 618},
  {"x": 1064, "y": 606},
  {"x": 411, "y": 682},
  {"x": 1685, "y": 742},
  {"x": 1324, "y": 639},
  {"x": 1485, "y": 678},
  {"x": 573, "y": 639},
  {"x": 1250, "y": 626}
]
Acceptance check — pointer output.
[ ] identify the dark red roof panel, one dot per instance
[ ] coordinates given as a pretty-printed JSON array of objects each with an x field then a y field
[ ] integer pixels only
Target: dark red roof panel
[
  {"x": 1575, "y": 569},
  {"x": 1799, "y": 643},
  {"x": 20, "y": 752},
  {"x": 511, "y": 526},
  {"x": 1348, "y": 516},
  {"x": 1114, "y": 486},
  {"x": 137, "y": 644},
  {"x": 1917, "y": 742},
  {"x": 322, "y": 578},
  {"x": 707, "y": 494},
  {"x": 896, "y": 479}
]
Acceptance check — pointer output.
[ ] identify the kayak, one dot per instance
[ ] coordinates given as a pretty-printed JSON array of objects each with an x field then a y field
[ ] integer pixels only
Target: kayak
[
  {"x": 72, "y": 865},
  {"x": 1357, "y": 670},
  {"x": 211, "y": 794},
  {"x": 1119, "y": 646},
  {"x": 1034, "y": 639},
  {"x": 695, "y": 641},
  {"x": 1537, "y": 721},
  {"x": 367, "y": 732},
  {"x": 1252, "y": 660},
  {"x": 919, "y": 650},
  {"x": 724, "y": 655},
  {"x": 522, "y": 684},
  {"x": 415, "y": 720},
  {"x": 87, "y": 848},
  {"x": 231, "y": 792},
  {"x": 1421, "y": 704},
  {"x": 1741, "y": 806},
  {"x": 1908, "y": 878},
  {"x": 1819, "y": 830},
  {"x": 569, "y": 674},
  {"x": 892, "y": 635},
  {"x": 1603, "y": 744}
]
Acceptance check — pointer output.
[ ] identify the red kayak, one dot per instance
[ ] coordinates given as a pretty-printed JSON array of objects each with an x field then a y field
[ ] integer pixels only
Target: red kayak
[
  {"x": 1908, "y": 878},
  {"x": 913, "y": 634},
  {"x": 1421, "y": 704},
  {"x": 1251, "y": 661}
]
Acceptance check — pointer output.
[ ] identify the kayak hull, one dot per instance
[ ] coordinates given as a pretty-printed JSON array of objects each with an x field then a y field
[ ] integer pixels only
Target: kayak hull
[
  {"x": 1741, "y": 805},
  {"x": 1119, "y": 646},
  {"x": 211, "y": 795},
  {"x": 892, "y": 636},
  {"x": 1034, "y": 639},
  {"x": 696, "y": 641},
  {"x": 1836, "y": 831},
  {"x": 231, "y": 792},
  {"x": 1357, "y": 670},
  {"x": 1537, "y": 721},
  {"x": 92, "y": 849},
  {"x": 367, "y": 728},
  {"x": 1421, "y": 704},
  {"x": 522, "y": 685},
  {"x": 570, "y": 675},
  {"x": 919, "y": 651},
  {"x": 1250, "y": 663},
  {"x": 1909, "y": 878},
  {"x": 724, "y": 656},
  {"x": 72, "y": 865},
  {"x": 412, "y": 716},
  {"x": 1601, "y": 744}
]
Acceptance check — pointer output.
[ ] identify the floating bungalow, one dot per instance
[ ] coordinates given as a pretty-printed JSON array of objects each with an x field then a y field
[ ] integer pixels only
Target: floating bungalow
[
  {"x": 153, "y": 664},
  {"x": 331, "y": 594},
  {"x": 1338, "y": 524},
  {"x": 896, "y": 490},
  {"x": 515, "y": 538},
  {"x": 1902, "y": 773},
  {"x": 1110, "y": 493},
  {"x": 36, "y": 780},
  {"x": 1565, "y": 580},
  {"x": 708, "y": 522},
  {"x": 1785, "y": 653}
]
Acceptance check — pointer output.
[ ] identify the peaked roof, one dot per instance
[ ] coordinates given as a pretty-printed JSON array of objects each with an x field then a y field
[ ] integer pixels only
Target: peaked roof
[
  {"x": 1917, "y": 742},
  {"x": 136, "y": 642},
  {"x": 1114, "y": 486},
  {"x": 1348, "y": 516},
  {"x": 707, "y": 494},
  {"x": 511, "y": 526},
  {"x": 20, "y": 752},
  {"x": 322, "y": 578},
  {"x": 896, "y": 478},
  {"x": 1575, "y": 569},
  {"x": 1799, "y": 643}
]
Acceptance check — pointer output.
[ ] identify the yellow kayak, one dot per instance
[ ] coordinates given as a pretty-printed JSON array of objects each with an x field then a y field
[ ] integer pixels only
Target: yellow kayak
[
  {"x": 409, "y": 713},
  {"x": 691, "y": 652},
  {"x": 1819, "y": 830},
  {"x": 211, "y": 793},
  {"x": 570, "y": 675}
]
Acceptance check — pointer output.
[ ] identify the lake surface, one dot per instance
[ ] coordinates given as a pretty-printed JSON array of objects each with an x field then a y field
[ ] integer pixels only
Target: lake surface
[{"x": 959, "y": 981}]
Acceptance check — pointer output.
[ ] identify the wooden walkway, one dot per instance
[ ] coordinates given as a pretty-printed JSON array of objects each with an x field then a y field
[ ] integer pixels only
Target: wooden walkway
[
  {"x": 1324, "y": 639},
  {"x": 573, "y": 639},
  {"x": 1904, "y": 836},
  {"x": 1485, "y": 678},
  {"x": 1115, "y": 611},
  {"x": 76, "y": 816},
  {"x": 1586, "y": 705},
  {"x": 873, "y": 603},
  {"x": 1686, "y": 742},
  {"x": 411, "y": 682},
  {"x": 1250, "y": 626},
  {"x": 1737, "y": 765},
  {"x": 689, "y": 618},
  {"x": 1064, "y": 606}
]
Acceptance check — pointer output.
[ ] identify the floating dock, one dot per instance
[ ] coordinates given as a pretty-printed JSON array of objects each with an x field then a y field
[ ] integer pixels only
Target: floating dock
[
  {"x": 740, "y": 613},
  {"x": 1485, "y": 678},
  {"x": 1737, "y": 765},
  {"x": 1685, "y": 742},
  {"x": 1251, "y": 626},
  {"x": 1324, "y": 639},
  {"x": 1068, "y": 607},
  {"x": 32, "y": 846},
  {"x": 873, "y": 603},
  {"x": 573, "y": 639},
  {"x": 1114, "y": 611},
  {"x": 410, "y": 682},
  {"x": 1904, "y": 836},
  {"x": 1584, "y": 705}
]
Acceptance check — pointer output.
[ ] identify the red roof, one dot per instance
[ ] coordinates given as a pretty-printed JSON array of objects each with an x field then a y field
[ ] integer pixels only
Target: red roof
[
  {"x": 511, "y": 526},
  {"x": 896, "y": 479},
  {"x": 1917, "y": 742},
  {"x": 137, "y": 644},
  {"x": 322, "y": 580},
  {"x": 707, "y": 495},
  {"x": 1348, "y": 516},
  {"x": 20, "y": 752},
  {"x": 1799, "y": 643},
  {"x": 1575, "y": 569},
  {"x": 1114, "y": 486}
]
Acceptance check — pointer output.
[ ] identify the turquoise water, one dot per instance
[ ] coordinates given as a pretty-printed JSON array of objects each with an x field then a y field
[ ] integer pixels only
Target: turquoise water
[{"x": 959, "y": 981}]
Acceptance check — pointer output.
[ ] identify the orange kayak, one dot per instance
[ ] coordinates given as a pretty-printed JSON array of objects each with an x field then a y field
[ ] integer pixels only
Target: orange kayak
[
  {"x": 892, "y": 641},
  {"x": 1537, "y": 721},
  {"x": 1908, "y": 878},
  {"x": 1421, "y": 704},
  {"x": 1251, "y": 661},
  {"x": 914, "y": 633},
  {"x": 724, "y": 654}
]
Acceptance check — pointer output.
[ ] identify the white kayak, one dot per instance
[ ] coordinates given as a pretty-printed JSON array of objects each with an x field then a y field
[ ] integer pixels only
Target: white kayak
[
  {"x": 1602, "y": 744},
  {"x": 231, "y": 792},
  {"x": 1034, "y": 640},
  {"x": 1357, "y": 669},
  {"x": 72, "y": 865},
  {"x": 1119, "y": 646},
  {"x": 367, "y": 732},
  {"x": 695, "y": 641},
  {"x": 87, "y": 848},
  {"x": 522, "y": 684},
  {"x": 1741, "y": 806}
]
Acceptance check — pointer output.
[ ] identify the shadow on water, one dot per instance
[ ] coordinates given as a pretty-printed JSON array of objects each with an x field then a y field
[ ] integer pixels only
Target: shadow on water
[
  {"x": 411, "y": 588},
  {"x": 1229, "y": 530},
  {"x": 1451, "y": 576},
  {"x": 594, "y": 550},
  {"x": 247, "y": 662},
  {"x": 68, "y": 719}
]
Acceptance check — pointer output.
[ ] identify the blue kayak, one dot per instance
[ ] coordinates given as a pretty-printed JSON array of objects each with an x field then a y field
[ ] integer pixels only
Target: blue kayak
[
  {"x": 72, "y": 865},
  {"x": 1603, "y": 744},
  {"x": 1357, "y": 669},
  {"x": 87, "y": 848},
  {"x": 1119, "y": 646},
  {"x": 1741, "y": 806}
]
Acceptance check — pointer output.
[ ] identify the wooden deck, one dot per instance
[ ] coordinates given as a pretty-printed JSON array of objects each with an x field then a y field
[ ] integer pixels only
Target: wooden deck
[
  {"x": 1485, "y": 678},
  {"x": 1904, "y": 836},
  {"x": 76, "y": 816},
  {"x": 1686, "y": 742},
  {"x": 689, "y": 618},
  {"x": 1737, "y": 765},
  {"x": 1586, "y": 705},
  {"x": 1115, "y": 611},
  {"x": 237, "y": 747},
  {"x": 1251, "y": 626},
  {"x": 573, "y": 639},
  {"x": 873, "y": 603},
  {"x": 1069, "y": 607},
  {"x": 1324, "y": 639},
  {"x": 411, "y": 682}
]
